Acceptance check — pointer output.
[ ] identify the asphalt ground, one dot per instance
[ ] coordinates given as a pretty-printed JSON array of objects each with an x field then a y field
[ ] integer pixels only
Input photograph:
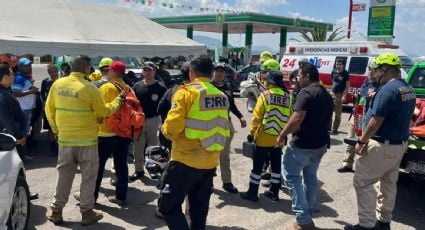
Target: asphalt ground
[{"x": 336, "y": 201}]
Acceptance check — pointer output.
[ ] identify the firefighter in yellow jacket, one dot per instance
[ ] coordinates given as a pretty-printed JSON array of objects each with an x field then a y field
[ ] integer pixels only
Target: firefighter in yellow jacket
[
  {"x": 197, "y": 124},
  {"x": 70, "y": 109},
  {"x": 271, "y": 113}
]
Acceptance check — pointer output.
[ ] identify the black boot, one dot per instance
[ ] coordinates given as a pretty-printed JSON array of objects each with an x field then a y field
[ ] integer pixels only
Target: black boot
[
  {"x": 382, "y": 225},
  {"x": 251, "y": 194}
]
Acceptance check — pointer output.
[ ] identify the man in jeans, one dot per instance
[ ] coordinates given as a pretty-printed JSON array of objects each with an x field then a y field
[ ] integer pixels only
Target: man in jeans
[
  {"x": 310, "y": 138},
  {"x": 70, "y": 109},
  {"x": 25, "y": 92}
]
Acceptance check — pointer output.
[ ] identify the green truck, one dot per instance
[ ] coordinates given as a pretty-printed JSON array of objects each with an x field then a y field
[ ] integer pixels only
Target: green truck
[{"x": 414, "y": 160}]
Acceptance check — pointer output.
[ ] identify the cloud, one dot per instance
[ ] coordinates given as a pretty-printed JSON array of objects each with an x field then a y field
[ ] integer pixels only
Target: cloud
[
  {"x": 258, "y": 6},
  {"x": 411, "y": 3},
  {"x": 157, "y": 10},
  {"x": 298, "y": 15}
]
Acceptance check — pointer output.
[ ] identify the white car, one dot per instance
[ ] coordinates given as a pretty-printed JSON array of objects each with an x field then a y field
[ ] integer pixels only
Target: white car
[{"x": 14, "y": 192}]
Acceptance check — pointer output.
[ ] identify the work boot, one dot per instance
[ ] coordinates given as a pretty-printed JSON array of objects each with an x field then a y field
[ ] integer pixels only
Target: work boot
[
  {"x": 230, "y": 188},
  {"x": 296, "y": 226},
  {"x": 55, "y": 216},
  {"x": 273, "y": 196},
  {"x": 76, "y": 196},
  {"x": 33, "y": 196},
  {"x": 357, "y": 227},
  {"x": 382, "y": 225},
  {"x": 114, "y": 200},
  {"x": 344, "y": 169},
  {"x": 137, "y": 176},
  {"x": 265, "y": 183},
  {"x": 251, "y": 194},
  {"x": 266, "y": 176},
  {"x": 91, "y": 216}
]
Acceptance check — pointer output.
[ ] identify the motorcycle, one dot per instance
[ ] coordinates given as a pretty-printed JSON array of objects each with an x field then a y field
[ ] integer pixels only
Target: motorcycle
[{"x": 251, "y": 89}]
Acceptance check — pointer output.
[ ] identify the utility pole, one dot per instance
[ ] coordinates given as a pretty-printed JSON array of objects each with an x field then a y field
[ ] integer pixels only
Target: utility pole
[{"x": 349, "y": 19}]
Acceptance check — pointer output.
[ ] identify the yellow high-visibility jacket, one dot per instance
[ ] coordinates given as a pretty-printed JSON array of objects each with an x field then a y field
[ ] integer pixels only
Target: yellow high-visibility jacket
[
  {"x": 109, "y": 92},
  {"x": 71, "y": 107},
  {"x": 187, "y": 151},
  {"x": 256, "y": 128}
]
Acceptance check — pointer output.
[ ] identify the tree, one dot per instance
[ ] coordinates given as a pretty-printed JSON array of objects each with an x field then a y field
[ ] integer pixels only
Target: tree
[{"x": 319, "y": 34}]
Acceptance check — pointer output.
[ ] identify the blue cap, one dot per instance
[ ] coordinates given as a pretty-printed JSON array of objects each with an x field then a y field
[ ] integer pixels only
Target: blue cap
[{"x": 24, "y": 61}]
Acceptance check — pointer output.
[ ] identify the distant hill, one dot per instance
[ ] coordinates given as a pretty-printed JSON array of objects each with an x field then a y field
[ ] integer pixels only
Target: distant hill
[{"x": 211, "y": 43}]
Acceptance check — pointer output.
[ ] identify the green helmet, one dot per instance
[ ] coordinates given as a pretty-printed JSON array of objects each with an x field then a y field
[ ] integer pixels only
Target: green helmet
[
  {"x": 265, "y": 55},
  {"x": 388, "y": 58},
  {"x": 105, "y": 62},
  {"x": 269, "y": 65}
]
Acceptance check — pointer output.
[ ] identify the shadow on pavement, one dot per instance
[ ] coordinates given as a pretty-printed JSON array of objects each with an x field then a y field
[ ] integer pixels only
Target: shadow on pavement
[
  {"x": 209, "y": 227},
  {"x": 323, "y": 210},
  {"x": 410, "y": 202},
  {"x": 77, "y": 225},
  {"x": 37, "y": 216},
  {"x": 284, "y": 205},
  {"x": 138, "y": 213},
  {"x": 335, "y": 141},
  {"x": 41, "y": 157}
]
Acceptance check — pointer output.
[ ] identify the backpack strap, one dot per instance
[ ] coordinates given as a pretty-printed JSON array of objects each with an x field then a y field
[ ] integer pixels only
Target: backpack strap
[{"x": 117, "y": 85}]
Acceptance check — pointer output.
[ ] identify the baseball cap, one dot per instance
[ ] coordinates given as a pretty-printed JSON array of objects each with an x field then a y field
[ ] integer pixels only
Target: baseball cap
[
  {"x": 117, "y": 66},
  {"x": 275, "y": 77},
  {"x": 105, "y": 62},
  {"x": 219, "y": 65},
  {"x": 149, "y": 65},
  {"x": 24, "y": 61}
]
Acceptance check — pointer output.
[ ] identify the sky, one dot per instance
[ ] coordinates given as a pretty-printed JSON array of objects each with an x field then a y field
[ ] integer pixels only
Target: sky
[{"x": 409, "y": 23}]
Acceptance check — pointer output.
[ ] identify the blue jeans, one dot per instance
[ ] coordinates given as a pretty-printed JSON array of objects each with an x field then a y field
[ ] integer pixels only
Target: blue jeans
[
  {"x": 303, "y": 187},
  {"x": 28, "y": 116}
]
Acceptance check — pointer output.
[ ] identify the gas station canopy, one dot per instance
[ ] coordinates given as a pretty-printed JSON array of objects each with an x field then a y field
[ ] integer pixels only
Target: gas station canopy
[
  {"x": 248, "y": 23},
  {"x": 236, "y": 23}
]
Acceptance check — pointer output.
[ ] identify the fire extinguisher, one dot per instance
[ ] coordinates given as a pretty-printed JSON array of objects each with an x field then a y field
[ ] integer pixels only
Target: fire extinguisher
[{"x": 358, "y": 117}]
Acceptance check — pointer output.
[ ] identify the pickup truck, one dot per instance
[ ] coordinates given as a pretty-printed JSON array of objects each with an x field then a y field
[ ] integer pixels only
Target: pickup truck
[{"x": 413, "y": 162}]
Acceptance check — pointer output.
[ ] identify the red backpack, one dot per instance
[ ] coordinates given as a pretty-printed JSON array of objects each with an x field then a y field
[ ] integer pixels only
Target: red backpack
[{"x": 129, "y": 119}]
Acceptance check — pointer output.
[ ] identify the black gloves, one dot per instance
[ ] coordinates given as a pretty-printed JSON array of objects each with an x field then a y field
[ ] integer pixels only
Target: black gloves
[{"x": 250, "y": 138}]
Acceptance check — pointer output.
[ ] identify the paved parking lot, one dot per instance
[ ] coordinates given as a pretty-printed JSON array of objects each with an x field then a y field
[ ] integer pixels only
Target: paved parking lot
[
  {"x": 337, "y": 202},
  {"x": 227, "y": 211}
]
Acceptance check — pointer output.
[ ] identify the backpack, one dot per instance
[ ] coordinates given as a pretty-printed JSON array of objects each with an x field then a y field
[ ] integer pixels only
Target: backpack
[{"x": 129, "y": 119}]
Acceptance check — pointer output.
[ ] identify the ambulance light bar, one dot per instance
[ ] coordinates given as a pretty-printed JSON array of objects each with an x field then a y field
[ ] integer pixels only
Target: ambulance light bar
[{"x": 363, "y": 50}]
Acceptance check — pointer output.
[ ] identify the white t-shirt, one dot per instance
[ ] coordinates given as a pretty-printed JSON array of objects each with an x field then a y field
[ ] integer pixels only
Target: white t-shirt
[{"x": 20, "y": 84}]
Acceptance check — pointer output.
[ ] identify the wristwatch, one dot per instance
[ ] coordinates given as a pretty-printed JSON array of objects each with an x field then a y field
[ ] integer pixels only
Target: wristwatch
[{"x": 360, "y": 142}]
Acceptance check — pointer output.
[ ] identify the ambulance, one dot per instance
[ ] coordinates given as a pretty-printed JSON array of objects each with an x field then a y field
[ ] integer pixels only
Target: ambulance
[{"x": 355, "y": 54}]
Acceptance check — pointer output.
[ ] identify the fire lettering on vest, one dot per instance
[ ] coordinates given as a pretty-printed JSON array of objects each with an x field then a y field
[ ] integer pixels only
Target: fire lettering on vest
[
  {"x": 213, "y": 102},
  {"x": 279, "y": 100}
]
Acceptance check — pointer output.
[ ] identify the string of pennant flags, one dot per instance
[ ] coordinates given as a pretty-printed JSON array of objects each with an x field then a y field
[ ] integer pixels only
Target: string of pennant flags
[{"x": 172, "y": 5}]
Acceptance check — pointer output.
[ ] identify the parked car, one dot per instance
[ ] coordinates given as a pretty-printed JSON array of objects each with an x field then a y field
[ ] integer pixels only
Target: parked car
[
  {"x": 14, "y": 191},
  {"x": 244, "y": 72}
]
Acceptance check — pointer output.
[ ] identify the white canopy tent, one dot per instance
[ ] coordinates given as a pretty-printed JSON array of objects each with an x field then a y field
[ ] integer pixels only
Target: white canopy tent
[{"x": 59, "y": 27}]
